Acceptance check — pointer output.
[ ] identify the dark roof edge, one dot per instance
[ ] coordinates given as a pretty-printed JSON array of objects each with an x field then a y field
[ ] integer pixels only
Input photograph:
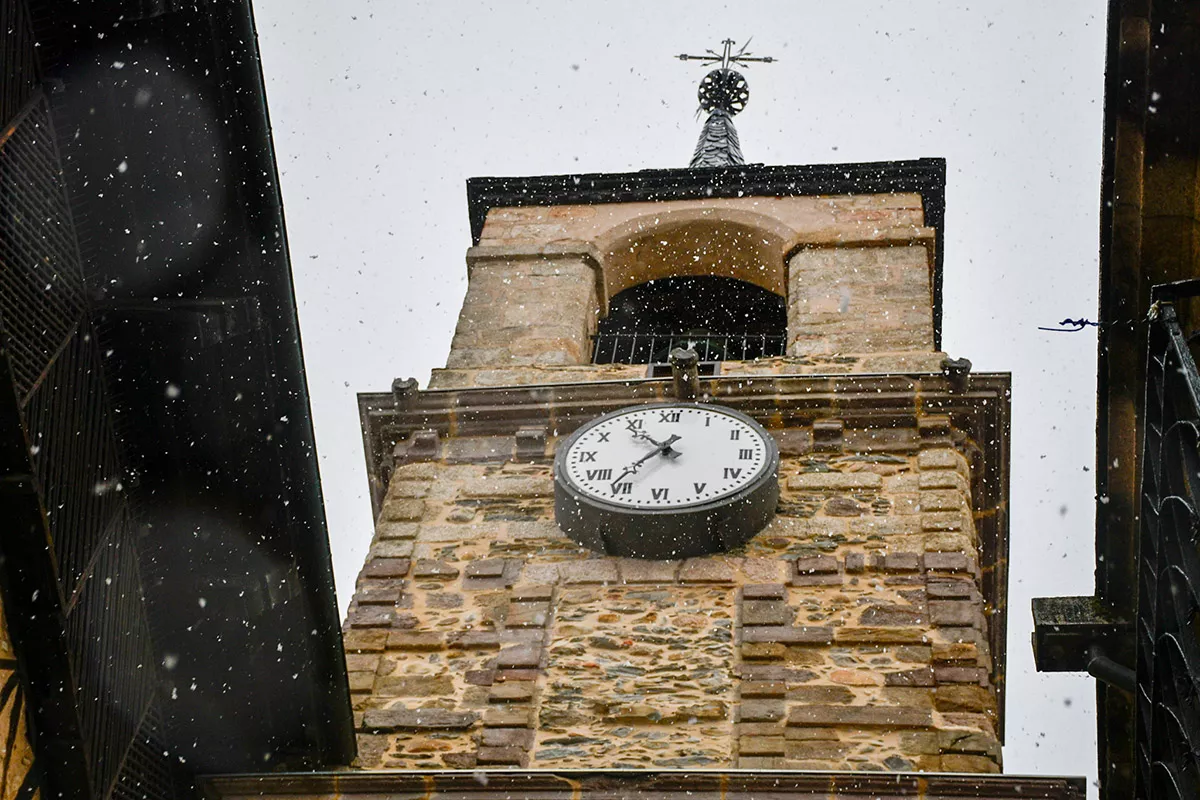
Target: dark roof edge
[
  {"x": 925, "y": 176},
  {"x": 336, "y": 743}
]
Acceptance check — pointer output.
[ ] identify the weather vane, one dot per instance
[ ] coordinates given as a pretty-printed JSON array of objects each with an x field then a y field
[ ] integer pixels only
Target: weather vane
[
  {"x": 723, "y": 93},
  {"x": 727, "y": 56}
]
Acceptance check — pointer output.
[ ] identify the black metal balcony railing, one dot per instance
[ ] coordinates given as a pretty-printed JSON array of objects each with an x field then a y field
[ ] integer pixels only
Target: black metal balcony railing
[
  {"x": 1167, "y": 726},
  {"x": 654, "y": 348}
]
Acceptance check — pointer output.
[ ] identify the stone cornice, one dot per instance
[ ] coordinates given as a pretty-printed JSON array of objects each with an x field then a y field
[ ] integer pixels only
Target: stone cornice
[{"x": 637, "y": 784}]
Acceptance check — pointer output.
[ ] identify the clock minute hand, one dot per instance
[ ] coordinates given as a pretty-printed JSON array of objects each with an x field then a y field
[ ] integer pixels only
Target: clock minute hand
[{"x": 641, "y": 434}]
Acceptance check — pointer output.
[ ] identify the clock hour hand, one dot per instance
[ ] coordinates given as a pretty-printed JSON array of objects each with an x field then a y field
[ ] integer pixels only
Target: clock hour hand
[{"x": 664, "y": 449}]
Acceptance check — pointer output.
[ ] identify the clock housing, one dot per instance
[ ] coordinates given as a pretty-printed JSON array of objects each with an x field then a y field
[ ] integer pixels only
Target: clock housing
[{"x": 666, "y": 481}]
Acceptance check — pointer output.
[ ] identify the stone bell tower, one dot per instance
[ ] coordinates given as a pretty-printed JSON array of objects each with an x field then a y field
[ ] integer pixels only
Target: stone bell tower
[{"x": 862, "y": 629}]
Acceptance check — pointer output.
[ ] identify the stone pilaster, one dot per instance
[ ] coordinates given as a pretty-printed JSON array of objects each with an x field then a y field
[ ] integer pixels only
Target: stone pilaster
[{"x": 864, "y": 298}]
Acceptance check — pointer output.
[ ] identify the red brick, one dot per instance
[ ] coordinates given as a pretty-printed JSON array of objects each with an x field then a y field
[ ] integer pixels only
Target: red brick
[
  {"x": 864, "y": 716},
  {"x": 760, "y": 711},
  {"x": 761, "y": 745},
  {"x": 956, "y": 613},
  {"x": 511, "y": 692},
  {"x": 532, "y": 591},
  {"x": 789, "y": 634},
  {"x": 521, "y": 655},
  {"x": 767, "y": 612},
  {"x": 475, "y": 640},
  {"x": 592, "y": 570},
  {"x": 527, "y": 615},
  {"x": 433, "y": 569},
  {"x": 406, "y": 719},
  {"x": 809, "y": 565},
  {"x": 508, "y": 717},
  {"x": 963, "y": 697},
  {"x": 480, "y": 677},
  {"x": 764, "y": 591},
  {"x": 385, "y": 568},
  {"x": 414, "y": 640},
  {"x": 949, "y": 589},
  {"x": 372, "y": 617},
  {"x": 507, "y": 737},
  {"x": 488, "y": 568},
  {"x": 364, "y": 641},
  {"x": 946, "y": 562},
  {"x": 976, "y": 675},
  {"x": 507, "y": 756},
  {"x": 706, "y": 570},
  {"x": 893, "y": 616},
  {"x": 902, "y": 562},
  {"x": 922, "y": 676}
]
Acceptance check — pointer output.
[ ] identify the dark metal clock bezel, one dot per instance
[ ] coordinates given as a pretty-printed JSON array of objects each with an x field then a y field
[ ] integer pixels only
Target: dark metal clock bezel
[{"x": 667, "y": 533}]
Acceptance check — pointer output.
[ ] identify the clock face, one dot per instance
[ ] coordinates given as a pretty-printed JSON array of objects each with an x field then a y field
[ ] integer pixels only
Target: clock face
[{"x": 667, "y": 457}]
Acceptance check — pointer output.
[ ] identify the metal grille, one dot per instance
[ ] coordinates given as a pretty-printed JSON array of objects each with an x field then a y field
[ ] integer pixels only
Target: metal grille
[
  {"x": 18, "y": 60},
  {"x": 114, "y": 666},
  {"x": 144, "y": 775},
  {"x": 74, "y": 456},
  {"x": 41, "y": 284},
  {"x": 58, "y": 377},
  {"x": 1167, "y": 738},
  {"x": 654, "y": 348}
]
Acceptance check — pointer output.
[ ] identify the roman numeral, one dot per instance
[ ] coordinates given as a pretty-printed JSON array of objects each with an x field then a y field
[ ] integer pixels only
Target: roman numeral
[
  {"x": 659, "y": 494},
  {"x": 635, "y": 423},
  {"x": 668, "y": 416},
  {"x": 587, "y": 455},
  {"x": 745, "y": 455},
  {"x": 735, "y": 435},
  {"x": 699, "y": 487},
  {"x": 599, "y": 474},
  {"x": 622, "y": 488},
  {"x": 730, "y": 472},
  {"x": 603, "y": 435},
  {"x": 707, "y": 421}
]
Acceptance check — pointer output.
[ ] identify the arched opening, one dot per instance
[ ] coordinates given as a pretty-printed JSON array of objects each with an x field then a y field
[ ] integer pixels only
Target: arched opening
[
  {"x": 722, "y": 319},
  {"x": 730, "y": 243}
]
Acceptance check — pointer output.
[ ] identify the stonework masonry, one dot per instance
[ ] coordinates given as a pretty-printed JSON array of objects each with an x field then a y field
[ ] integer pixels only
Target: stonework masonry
[
  {"x": 861, "y": 630},
  {"x": 856, "y": 272},
  {"x": 849, "y": 634}
]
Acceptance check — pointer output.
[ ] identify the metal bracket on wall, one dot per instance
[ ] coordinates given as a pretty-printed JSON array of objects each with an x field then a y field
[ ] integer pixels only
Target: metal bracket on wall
[{"x": 1080, "y": 634}]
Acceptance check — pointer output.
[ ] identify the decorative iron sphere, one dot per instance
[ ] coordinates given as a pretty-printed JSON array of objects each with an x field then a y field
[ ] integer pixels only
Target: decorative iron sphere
[{"x": 724, "y": 89}]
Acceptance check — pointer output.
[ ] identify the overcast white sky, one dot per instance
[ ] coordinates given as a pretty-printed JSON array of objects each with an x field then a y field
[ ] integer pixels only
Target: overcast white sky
[{"x": 381, "y": 110}]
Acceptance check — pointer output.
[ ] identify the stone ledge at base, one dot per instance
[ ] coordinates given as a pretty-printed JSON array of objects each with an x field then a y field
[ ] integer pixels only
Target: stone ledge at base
[{"x": 636, "y": 785}]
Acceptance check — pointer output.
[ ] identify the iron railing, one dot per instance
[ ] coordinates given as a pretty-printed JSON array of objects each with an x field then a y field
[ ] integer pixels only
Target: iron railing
[
  {"x": 654, "y": 348},
  {"x": 1167, "y": 724}
]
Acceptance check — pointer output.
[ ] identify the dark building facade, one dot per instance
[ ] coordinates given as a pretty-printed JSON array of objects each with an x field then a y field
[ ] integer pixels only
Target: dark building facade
[{"x": 164, "y": 567}]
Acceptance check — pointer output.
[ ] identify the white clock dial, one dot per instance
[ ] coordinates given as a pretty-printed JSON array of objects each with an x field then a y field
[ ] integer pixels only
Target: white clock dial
[{"x": 667, "y": 457}]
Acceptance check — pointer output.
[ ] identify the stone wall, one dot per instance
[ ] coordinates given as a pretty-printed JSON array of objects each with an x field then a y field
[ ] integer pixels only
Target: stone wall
[
  {"x": 857, "y": 272},
  {"x": 859, "y": 299},
  {"x": 849, "y": 634},
  {"x": 525, "y": 312},
  {"x": 16, "y": 762}
]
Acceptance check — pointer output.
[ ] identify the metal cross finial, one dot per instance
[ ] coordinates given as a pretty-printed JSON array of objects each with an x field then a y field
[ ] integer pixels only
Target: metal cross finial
[{"x": 727, "y": 57}]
